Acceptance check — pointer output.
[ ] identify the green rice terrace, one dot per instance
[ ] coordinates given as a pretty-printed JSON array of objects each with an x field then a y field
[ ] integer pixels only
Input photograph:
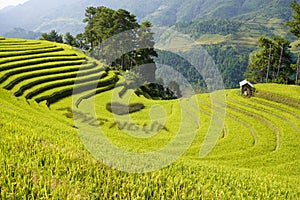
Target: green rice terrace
[{"x": 44, "y": 85}]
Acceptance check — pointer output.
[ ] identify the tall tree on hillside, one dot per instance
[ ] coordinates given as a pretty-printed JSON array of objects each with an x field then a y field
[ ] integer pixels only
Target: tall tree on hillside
[
  {"x": 103, "y": 22},
  {"x": 123, "y": 20},
  {"x": 267, "y": 46},
  {"x": 52, "y": 36},
  {"x": 124, "y": 32},
  {"x": 272, "y": 62},
  {"x": 90, "y": 33},
  {"x": 295, "y": 29},
  {"x": 70, "y": 40},
  {"x": 81, "y": 41},
  {"x": 285, "y": 57},
  {"x": 256, "y": 68},
  {"x": 145, "y": 55},
  {"x": 125, "y": 23}
]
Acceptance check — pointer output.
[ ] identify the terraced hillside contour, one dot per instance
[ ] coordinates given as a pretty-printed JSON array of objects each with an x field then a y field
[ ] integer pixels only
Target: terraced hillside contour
[
  {"x": 46, "y": 71},
  {"x": 257, "y": 155}
]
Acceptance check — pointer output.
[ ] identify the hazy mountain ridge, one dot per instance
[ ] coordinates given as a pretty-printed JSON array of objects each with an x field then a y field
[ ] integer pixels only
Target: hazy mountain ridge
[{"x": 67, "y": 15}]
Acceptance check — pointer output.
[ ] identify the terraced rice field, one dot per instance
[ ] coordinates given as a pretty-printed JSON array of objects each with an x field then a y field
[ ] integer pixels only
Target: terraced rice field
[
  {"x": 46, "y": 71},
  {"x": 42, "y": 154}
]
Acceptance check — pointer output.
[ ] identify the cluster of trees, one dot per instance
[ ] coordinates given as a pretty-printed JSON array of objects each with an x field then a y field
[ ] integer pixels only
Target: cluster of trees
[
  {"x": 116, "y": 37},
  {"x": 274, "y": 62},
  {"x": 104, "y": 23},
  {"x": 159, "y": 92},
  {"x": 231, "y": 58},
  {"x": 184, "y": 67},
  {"x": 211, "y": 26},
  {"x": 69, "y": 39},
  {"x": 128, "y": 35},
  {"x": 231, "y": 61},
  {"x": 295, "y": 29}
]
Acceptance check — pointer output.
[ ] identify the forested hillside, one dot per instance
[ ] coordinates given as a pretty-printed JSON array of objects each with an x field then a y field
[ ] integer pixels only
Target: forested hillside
[
  {"x": 66, "y": 15},
  {"x": 229, "y": 30},
  {"x": 230, "y": 42}
]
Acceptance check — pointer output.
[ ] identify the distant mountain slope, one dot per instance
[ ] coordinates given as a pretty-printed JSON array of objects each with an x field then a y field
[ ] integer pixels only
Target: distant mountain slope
[
  {"x": 67, "y": 15},
  {"x": 34, "y": 15}
]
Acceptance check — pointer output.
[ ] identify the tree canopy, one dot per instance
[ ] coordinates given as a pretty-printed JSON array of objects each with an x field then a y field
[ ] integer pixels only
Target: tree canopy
[
  {"x": 272, "y": 62},
  {"x": 295, "y": 29},
  {"x": 53, "y": 36},
  {"x": 130, "y": 44}
]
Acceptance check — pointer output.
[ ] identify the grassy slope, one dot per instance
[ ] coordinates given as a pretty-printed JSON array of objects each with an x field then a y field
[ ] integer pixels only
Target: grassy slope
[{"x": 257, "y": 156}]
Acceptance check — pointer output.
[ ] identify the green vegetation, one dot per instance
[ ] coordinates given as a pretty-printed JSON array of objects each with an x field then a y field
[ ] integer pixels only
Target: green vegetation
[
  {"x": 53, "y": 36},
  {"x": 211, "y": 39},
  {"x": 212, "y": 26},
  {"x": 272, "y": 63},
  {"x": 231, "y": 61},
  {"x": 183, "y": 66},
  {"x": 116, "y": 37},
  {"x": 122, "y": 109},
  {"x": 229, "y": 37},
  {"x": 47, "y": 71},
  {"x": 159, "y": 12},
  {"x": 230, "y": 42},
  {"x": 102, "y": 24},
  {"x": 168, "y": 13},
  {"x": 295, "y": 29},
  {"x": 256, "y": 156},
  {"x": 158, "y": 91}
]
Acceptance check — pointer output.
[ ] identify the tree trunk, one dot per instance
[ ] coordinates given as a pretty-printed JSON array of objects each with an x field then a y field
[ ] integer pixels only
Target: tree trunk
[
  {"x": 261, "y": 78},
  {"x": 123, "y": 62},
  {"x": 298, "y": 69},
  {"x": 269, "y": 64},
  {"x": 279, "y": 65}
]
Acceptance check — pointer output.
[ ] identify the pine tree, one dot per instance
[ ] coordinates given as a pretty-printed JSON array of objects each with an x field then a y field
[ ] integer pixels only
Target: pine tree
[
  {"x": 52, "y": 36},
  {"x": 295, "y": 29},
  {"x": 273, "y": 61}
]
